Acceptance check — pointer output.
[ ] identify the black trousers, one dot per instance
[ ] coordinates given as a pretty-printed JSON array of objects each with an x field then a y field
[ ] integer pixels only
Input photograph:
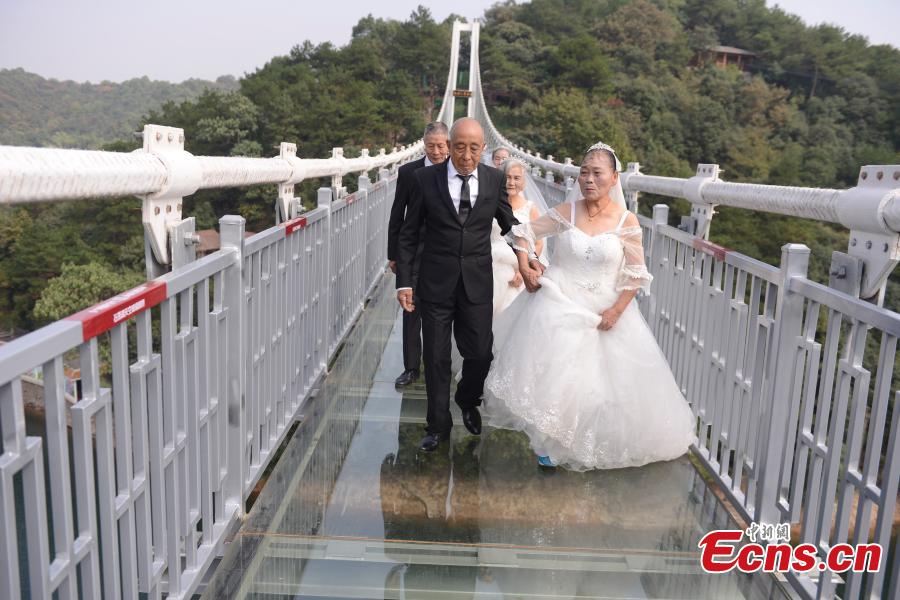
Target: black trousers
[{"x": 471, "y": 325}]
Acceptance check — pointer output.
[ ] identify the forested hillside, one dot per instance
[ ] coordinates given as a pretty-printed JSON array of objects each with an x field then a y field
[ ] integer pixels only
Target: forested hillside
[
  {"x": 35, "y": 111},
  {"x": 559, "y": 75}
]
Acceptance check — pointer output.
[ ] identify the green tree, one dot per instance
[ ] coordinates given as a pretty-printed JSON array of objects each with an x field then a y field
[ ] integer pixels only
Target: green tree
[
  {"x": 579, "y": 62},
  {"x": 37, "y": 256},
  {"x": 639, "y": 34},
  {"x": 13, "y": 223},
  {"x": 80, "y": 286}
]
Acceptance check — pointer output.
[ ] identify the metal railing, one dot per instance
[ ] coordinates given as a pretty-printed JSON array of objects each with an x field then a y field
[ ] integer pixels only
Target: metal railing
[
  {"x": 794, "y": 386},
  {"x": 792, "y": 383},
  {"x": 208, "y": 367}
]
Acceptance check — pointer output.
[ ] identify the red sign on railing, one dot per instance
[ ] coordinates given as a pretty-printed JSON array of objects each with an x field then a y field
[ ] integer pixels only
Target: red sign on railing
[
  {"x": 121, "y": 307},
  {"x": 709, "y": 248},
  {"x": 294, "y": 224}
]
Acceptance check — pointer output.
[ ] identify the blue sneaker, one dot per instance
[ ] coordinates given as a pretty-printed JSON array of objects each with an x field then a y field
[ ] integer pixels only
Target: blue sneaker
[{"x": 545, "y": 461}]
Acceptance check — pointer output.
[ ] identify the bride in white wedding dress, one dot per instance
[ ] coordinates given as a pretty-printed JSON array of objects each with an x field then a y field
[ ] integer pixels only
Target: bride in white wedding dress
[
  {"x": 576, "y": 367},
  {"x": 507, "y": 280}
]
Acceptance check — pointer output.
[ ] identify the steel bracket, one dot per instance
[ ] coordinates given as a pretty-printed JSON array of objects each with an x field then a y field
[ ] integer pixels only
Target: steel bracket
[
  {"x": 701, "y": 211},
  {"x": 162, "y": 210},
  {"x": 337, "y": 181},
  {"x": 184, "y": 242},
  {"x": 288, "y": 206},
  {"x": 872, "y": 241}
]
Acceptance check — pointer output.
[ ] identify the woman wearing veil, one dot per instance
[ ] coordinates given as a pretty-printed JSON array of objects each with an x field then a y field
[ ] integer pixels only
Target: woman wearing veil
[
  {"x": 577, "y": 368},
  {"x": 508, "y": 281}
]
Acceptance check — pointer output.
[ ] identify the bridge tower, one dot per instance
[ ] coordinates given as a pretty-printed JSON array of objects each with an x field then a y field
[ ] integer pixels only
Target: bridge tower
[{"x": 451, "y": 93}]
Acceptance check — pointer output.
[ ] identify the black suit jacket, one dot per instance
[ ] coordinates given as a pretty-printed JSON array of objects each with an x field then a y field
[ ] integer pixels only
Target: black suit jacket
[
  {"x": 401, "y": 202},
  {"x": 452, "y": 250}
]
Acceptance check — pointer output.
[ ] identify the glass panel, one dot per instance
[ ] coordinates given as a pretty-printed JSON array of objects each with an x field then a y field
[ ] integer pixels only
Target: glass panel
[{"x": 352, "y": 510}]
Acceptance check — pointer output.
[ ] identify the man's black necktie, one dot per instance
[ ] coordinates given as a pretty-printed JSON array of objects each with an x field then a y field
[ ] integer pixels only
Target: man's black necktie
[{"x": 465, "y": 201}]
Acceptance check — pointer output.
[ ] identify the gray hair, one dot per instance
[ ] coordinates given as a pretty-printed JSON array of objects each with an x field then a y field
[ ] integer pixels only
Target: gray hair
[
  {"x": 608, "y": 152},
  {"x": 496, "y": 150},
  {"x": 437, "y": 127},
  {"x": 511, "y": 162}
]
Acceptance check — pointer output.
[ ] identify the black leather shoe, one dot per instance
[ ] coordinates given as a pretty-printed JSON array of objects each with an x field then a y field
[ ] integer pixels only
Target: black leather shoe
[
  {"x": 431, "y": 441},
  {"x": 407, "y": 377},
  {"x": 472, "y": 420}
]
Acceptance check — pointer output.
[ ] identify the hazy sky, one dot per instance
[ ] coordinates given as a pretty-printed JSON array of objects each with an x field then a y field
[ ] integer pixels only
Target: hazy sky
[{"x": 93, "y": 40}]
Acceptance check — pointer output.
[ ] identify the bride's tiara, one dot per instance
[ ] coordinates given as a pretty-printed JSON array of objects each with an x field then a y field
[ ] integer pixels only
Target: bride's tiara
[{"x": 607, "y": 148}]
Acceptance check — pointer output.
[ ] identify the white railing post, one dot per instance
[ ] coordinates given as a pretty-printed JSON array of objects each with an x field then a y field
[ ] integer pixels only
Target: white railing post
[
  {"x": 363, "y": 187},
  {"x": 568, "y": 181},
  {"x": 631, "y": 196},
  {"x": 660, "y": 218},
  {"x": 231, "y": 229},
  {"x": 364, "y": 182},
  {"x": 337, "y": 180},
  {"x": 780, "y": 398},
  {"x": 385, "y": 211},
  {"x": 324, "y": 201}
]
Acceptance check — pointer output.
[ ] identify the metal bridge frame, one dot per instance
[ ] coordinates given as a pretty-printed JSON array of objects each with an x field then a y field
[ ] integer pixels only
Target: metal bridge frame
[{"x": 212, "y": 361}]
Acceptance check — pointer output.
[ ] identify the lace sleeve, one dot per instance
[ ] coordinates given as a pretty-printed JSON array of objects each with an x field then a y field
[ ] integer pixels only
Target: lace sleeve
[
  {"x": 524, "y": 236},
  {"x": 634, "y": 274}
]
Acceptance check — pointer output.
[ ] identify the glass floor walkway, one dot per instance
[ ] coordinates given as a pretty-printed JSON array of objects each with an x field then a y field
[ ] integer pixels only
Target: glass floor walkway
[{"x": 351, "y": 510}]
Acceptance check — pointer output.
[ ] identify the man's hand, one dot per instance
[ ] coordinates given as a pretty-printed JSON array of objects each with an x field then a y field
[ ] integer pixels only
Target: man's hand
[
  {"x": 392, "y": 264},
  {"x": 405, "y": 298},
  {"x": 516, "y": 281},
  {"x": 536, "y": 265}
]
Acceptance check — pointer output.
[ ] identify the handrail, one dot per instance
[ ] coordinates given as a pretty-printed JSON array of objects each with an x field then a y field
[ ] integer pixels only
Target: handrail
[{"x": 50, "y": 174}]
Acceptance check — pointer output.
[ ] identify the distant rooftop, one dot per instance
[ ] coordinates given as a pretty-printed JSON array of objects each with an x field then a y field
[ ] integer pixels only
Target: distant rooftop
[{"x": 731, "y": 50}]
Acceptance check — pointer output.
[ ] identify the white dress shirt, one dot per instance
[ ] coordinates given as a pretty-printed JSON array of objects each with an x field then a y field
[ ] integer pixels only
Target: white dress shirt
[{"x": 455, "y": 184}]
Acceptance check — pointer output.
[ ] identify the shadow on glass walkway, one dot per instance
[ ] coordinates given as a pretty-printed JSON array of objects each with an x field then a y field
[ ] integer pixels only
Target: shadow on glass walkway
[{"x": 351, "y": 510}]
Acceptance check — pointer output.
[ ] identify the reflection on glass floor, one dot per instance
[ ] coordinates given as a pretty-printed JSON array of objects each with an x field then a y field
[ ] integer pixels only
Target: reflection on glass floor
[{"x": 351, "y": 510}]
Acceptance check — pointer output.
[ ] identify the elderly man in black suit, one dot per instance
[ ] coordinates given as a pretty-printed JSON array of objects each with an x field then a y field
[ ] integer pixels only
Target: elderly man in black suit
[
  {"x": 456, "y": 202},
  {"x": 436, "y": 140}
]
